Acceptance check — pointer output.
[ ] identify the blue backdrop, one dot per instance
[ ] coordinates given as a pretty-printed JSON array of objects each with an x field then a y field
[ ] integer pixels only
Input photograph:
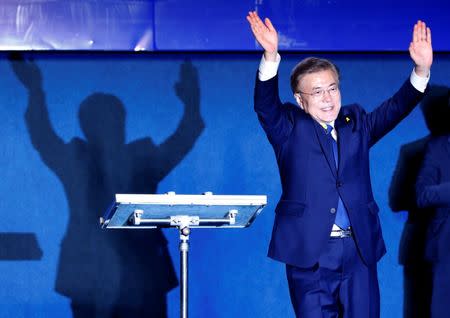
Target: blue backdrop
[{"x": 230, "y": 275}]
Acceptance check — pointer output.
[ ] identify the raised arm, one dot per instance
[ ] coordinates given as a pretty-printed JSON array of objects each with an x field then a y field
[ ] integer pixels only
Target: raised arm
[
  {"x": 385, "y": 117},
  {"x": 265, "y": 34},
  {"x": 274, "y": 118},
  {"x": 176, "y": 147},
  {"x": 420, "y": 49}
]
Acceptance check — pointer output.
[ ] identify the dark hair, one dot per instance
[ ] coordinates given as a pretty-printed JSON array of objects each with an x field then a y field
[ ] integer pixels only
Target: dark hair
[
  {"x": 308, "y": 66},
  {"x": 436, "y": 109}
]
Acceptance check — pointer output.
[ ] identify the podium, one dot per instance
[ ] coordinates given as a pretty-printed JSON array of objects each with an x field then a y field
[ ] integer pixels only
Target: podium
[{"x": 184, "y": 212}]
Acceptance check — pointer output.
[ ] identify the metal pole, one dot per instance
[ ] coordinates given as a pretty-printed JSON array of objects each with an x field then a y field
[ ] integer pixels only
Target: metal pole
[{"x": 184, "y": 249}]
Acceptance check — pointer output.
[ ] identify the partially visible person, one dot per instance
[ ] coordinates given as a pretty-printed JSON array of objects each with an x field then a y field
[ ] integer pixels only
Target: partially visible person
[
  {"x": 417, "y": 278},
  {"x": 433, "y": 191}
]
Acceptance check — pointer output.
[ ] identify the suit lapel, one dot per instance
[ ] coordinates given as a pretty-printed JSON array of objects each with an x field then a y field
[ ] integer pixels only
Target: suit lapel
[
  {"x": 344, "y": 126},
  {"x": 325, "y": 145},
  {"x": 344, "y": 130}
]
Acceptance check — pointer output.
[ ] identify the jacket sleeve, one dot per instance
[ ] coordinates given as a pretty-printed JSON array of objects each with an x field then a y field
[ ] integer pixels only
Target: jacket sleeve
[
  {"x": 386, "y": 116},
  {"x": 275, "y": 118},
  {"x": 430, "y": 191}
]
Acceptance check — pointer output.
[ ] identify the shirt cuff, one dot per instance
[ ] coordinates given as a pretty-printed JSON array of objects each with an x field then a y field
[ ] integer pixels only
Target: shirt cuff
[
  {"x": 268, "y": 69},
  {"x": 419, "y": 82}
]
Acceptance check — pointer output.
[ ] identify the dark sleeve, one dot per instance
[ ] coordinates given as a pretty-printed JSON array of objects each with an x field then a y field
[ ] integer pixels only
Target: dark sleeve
[
  {"x": 386, "y": 116},
  {"x": 177, "y": 145},
  {"x": 430, "y": 191},
  {"x": 401, "y": 190},
  {"x": 275, "y": 118},
  {"x": 43, "y": 137}
]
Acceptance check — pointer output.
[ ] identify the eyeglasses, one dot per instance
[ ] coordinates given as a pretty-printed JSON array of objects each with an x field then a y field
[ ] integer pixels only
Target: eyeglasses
[{"x": 320, "y": 92}]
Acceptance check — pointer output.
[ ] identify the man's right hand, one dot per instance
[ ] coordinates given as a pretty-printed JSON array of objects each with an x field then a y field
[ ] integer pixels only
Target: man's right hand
[{"x": 265, "y": 34}]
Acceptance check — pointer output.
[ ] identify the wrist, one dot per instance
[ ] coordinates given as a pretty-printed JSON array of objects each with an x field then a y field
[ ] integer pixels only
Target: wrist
[
  {"x": 270, "y": 56},
  {"x": 422, "y": 71}
]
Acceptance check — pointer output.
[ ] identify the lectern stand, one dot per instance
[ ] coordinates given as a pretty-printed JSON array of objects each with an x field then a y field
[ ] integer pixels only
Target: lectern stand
[{"x": 149, "y": 211}]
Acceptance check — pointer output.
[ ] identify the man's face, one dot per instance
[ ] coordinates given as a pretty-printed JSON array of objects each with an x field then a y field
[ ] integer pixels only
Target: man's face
[{"x": 319, "y": 95}]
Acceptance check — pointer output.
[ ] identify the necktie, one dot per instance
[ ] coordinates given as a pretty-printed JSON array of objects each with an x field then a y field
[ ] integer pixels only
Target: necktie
[{"x": 341, "y": 213}]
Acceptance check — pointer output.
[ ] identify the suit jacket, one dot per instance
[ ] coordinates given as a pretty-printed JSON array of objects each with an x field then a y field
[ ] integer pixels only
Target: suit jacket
[
  {"x": 310, "y": 181},
  {"x": 433, "y": 190},
  {"x": 402, "y": 197}
]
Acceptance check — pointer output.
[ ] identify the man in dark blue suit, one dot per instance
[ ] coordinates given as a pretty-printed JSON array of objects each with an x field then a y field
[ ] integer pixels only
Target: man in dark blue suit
[
  {"x": 326, "y": 228},
  {"x": 433, "y": 191}
]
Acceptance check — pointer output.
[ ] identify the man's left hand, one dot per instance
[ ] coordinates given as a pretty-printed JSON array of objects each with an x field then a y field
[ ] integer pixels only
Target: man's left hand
[{"x": 420, "y": 49}]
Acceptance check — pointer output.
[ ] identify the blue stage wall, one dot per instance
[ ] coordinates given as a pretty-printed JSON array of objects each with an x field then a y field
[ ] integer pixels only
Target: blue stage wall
[{"x": 230, "y": 275}]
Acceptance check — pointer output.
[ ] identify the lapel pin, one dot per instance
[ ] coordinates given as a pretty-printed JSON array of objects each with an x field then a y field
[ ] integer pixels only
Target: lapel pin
[{"x": 347, "y": 119}]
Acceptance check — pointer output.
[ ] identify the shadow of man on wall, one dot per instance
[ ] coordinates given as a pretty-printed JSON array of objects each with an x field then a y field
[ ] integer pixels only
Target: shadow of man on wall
[
  {"x": 110, "y": 273},
  {"x": 417, "y": 279}
]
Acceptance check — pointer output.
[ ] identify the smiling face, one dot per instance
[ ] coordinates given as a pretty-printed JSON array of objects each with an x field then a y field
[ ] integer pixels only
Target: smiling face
[{"x": 318, "y": 95}]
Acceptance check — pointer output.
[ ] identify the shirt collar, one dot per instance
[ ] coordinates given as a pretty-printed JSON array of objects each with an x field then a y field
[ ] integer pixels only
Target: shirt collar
[{"x": 324, "y": 125}]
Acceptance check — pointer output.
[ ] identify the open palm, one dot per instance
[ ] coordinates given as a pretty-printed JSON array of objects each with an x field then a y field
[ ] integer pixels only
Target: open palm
[
  {"x": 264, "y": 33},
  {"x": 420, "y": 48}
]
